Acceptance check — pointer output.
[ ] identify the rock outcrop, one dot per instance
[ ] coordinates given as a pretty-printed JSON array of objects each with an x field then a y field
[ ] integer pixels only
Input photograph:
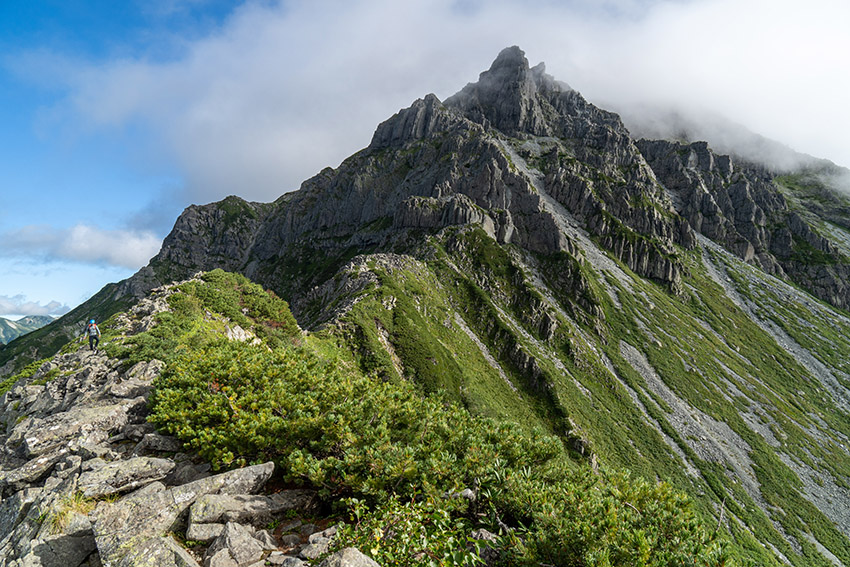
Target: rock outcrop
[
  {"x": 86, "y": 481},
  {"x": 739, "y": 206},
  {"x": 517, "y": 153}
]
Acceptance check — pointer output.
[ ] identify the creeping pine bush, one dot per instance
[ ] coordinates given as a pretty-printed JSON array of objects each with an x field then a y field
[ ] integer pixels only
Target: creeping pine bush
[
  {"x": 414, "y": 532},
  {"x": 397, "y": 458},
  {"x": 26, "y": 372}
]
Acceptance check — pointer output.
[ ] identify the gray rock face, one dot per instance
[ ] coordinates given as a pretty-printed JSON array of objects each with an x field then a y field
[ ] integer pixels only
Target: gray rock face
[
  {"x": 228, "y": 229},
  {"x": 60, "y": 551},
  {"x": 235, "y": 546},
  {"x": 348, "y": 557},
  {"x": 424, "y": 118},
  {"x": 487, "y": 546},
  {"x": 740, "y": 207},
  {"x": 159, "y": 552},
  {"x": 516, "y": 153},
  {"x": 124, "y": 476},
  {"x": 257, "y": 509},
  {"x": 129, "y": 522},
  {"x": 519, "y": 100}
]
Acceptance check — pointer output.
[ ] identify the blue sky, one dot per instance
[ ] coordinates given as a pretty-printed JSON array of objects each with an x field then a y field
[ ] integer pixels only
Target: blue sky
[{"x": 114, "y": 116}]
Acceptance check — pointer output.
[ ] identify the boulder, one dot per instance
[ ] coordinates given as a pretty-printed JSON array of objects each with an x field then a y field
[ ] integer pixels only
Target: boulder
[
  {"x": 266, "y": 540},
  {"x": 60, "y": 551},
  {"x": 14, "y": 509},
  {"x": 203, "y": 532},
  {"x": 284, "y": 560},
  {"x": 83, "y": 424},
  {"x": 235, "y": 546},
  {"x": 348, "y": 557},
  {"x": 255, "y": 509},
  {"x": 154, "y": 442},
  {"x": 32, "y": 471},
  {"x": 487, "y": 547},
  {"x": 157, "y": 552},
  {"x": 315, "y": 550},
  {"x": 126, "y": 525},
  {"x": 123, "y": 476}
]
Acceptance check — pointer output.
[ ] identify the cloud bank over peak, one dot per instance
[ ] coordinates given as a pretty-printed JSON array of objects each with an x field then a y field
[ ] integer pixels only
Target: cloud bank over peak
[
  {"x": 82, "y": 243},
  {"x": 282, "y": 90}
]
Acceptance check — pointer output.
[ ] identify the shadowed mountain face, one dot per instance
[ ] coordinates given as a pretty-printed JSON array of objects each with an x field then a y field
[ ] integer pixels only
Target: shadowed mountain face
[
  {"x": 517, "y": 153},
  {"x": 514, "y": 247}
]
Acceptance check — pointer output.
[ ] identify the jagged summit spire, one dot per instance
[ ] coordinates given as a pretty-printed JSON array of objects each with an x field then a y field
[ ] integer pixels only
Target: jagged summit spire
[
  {"x": 509, "y": 95},
  {"x": 511, "y": 66},
  {"x": 511, "y": 62}
]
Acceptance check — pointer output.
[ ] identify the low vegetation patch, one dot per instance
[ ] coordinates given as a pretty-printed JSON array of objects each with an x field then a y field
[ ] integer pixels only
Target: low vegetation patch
[
  {"x": 395, "y": 458},
  {"x": 26, "y": 372}
]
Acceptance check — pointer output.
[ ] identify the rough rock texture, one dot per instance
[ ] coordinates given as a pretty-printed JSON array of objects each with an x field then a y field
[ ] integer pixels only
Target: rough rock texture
[
  {"x": 348, "y": 557},
  {"x": 218, "y": 508},
  {"x": 123, "y": 476},
  {"x": 517, "y": 153},
  {"x": 229, "y": 231},
  {"x": 739, "y": 206},
  {"x": 75, "y": 432},
  {"x": 159, "y": 552},
  {"x": 235, "y": 546},
  {"x": 132, "y": 521}
]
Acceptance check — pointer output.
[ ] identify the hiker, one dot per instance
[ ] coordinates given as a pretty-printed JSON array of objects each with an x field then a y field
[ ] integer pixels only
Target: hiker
[{"x": 93, "y": 331}]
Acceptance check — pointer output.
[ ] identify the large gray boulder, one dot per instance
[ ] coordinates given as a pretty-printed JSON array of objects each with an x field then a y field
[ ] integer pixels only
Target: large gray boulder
[
  {"x": 125, "y": 525},
  {"x": 60, "y": 551},
  {"x": 348, "y": 557},
  {"x": 257, "y": 510},
  {"x": 235, "y": 547},
  {"x": 124, "y": 476}
]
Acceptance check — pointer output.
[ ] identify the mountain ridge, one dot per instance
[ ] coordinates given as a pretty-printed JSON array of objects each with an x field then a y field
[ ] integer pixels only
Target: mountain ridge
[
  {"x": 10, "y": 330},
  {"x": 533, "y": 262}
]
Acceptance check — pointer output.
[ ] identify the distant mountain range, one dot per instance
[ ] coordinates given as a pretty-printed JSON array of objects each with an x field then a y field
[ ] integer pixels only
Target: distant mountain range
[{"x": 10, "y": 330}]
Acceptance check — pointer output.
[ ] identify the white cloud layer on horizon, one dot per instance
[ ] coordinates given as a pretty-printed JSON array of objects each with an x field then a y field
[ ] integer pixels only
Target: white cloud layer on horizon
[
  {"x": 18, "y": 305},
  {"x": 283, "y": 90},
  {"x": 82, "y": 243}
]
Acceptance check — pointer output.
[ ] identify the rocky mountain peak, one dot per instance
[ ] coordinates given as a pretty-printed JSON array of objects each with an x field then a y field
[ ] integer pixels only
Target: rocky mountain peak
[
  {"x": 494, "y": 247},
  {"x": 511, "y": 67},
  {"x": 507, "y": 96}
]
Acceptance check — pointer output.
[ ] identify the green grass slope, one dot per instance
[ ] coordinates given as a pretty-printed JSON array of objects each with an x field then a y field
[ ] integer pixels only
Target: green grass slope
[
  {"x": 478, "y": 365},
  {"x": 693, "y": 389},
  {"x": 382, "y": 451}
]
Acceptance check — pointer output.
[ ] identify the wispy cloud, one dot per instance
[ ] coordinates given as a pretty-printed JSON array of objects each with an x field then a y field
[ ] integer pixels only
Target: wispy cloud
[
  {"x": 82, "y": 243},
  {"x": 283, "y": 89},
  {"x": 19, "y": 305}
]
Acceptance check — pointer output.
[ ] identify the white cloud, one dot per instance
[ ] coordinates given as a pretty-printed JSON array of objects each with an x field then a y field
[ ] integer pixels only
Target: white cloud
[
  {"x": 282, "y": 90},
  {"x": 82, "y": 243},
  {"x": 18, "y": 305}
]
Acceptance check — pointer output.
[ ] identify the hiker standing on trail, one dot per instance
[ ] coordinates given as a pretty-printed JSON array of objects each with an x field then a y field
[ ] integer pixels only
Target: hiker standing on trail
[{"x": 93, "y": 331}]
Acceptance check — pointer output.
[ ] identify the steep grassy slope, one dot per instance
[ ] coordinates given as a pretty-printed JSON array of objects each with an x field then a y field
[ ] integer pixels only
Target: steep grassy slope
[
  {"x": 694, "y": 389},
  {"x": 515, "y": 252},
  {"x": 10, "y": 330},
  {"x": 304, "y": 402}
]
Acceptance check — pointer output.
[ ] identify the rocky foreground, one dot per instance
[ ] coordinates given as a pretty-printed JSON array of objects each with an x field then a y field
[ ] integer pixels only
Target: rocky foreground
[{"x": 86, "y": 481}]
